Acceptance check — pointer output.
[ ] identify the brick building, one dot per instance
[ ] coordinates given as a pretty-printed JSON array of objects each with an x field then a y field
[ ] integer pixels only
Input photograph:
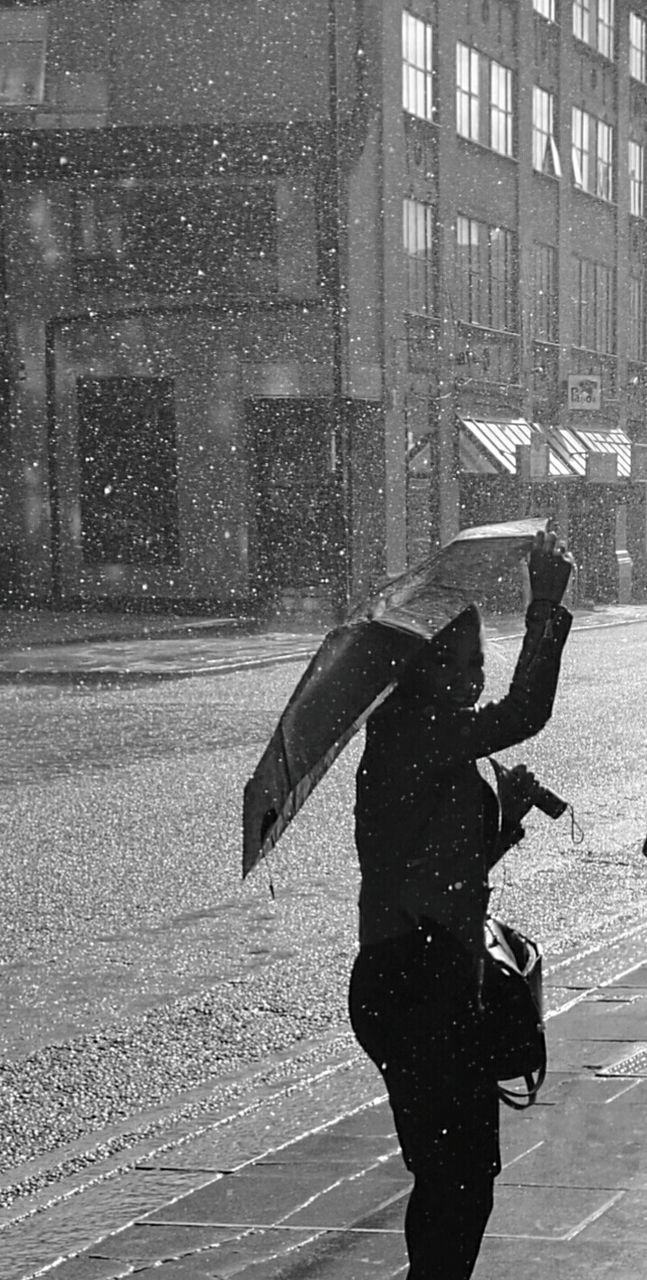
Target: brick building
[
  {"x": 293, "y": 291},
  {"x": 523, "y": 149}
]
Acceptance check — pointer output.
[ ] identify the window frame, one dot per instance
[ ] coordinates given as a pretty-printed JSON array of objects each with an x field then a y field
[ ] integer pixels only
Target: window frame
[
  {"x": 582, "y": 20},
  {"x": 636, "y": 152},
  {"x": 417, "y": 75},
  {"x": 636, "y": 336},
  {"x": 486, "y": 274},
  {"x": 112, "y": 219},
  {"x": 604, "y": 309},
  {"x": 637, "y": 51},
  {"x": 545, "y": 9},
  {"x": 595, "y": 306},
  {"x": 581, "y": 148},
  {"x": 501, "y": 114},
  {"x": 468, "y": 92},
  {"x": 419, "y": 254},
  {"x": 546, "y": 293},
  {"x": 544, "y": 143},
  {"x": 606, "y": 28},
  {"x": 22, "y": 76},
  {"x": 604, "y": 160}
]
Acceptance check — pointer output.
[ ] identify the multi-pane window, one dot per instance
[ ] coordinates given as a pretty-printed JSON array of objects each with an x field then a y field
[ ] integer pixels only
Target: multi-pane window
[
  {"x": 637, "y": 349},
  {"x": 23, "y": 44},
  {"x": 417, "y": 67},
  {"x": 594, "y": 306},
  {"x": 580, "y": 148},
  {"x": 636, "y": 179},
  {"x": 545, "y": 156},
  {"x": 485, "y": 274},
  {"x": 604, "y": 177},
  {"x": 582, "y": 20},
  {"x": 584, "y": 300},
  {"x": 546, "y": 8},
  {"x": 467, "y": 92},
  {"x": 604, "y": 308},
  {"x": 605, "y": 30},
  {"x": 161, "y": 238},
  {"x": 476, "y": 118},
  {"x": 637, "y": 47},
  {"x": 592, "y": 140},
  {"x": 418, "y": 246},
  {"x": 501, "y": 108},
  {"x": 545, "y": 294}
]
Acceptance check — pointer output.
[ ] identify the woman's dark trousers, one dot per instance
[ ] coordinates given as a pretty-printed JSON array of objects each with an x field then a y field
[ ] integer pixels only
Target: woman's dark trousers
[{"x": 413, "y": 1009}]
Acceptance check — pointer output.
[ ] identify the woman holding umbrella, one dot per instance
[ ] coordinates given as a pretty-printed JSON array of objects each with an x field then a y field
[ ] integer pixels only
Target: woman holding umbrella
[{"x": 426, "y": 835}]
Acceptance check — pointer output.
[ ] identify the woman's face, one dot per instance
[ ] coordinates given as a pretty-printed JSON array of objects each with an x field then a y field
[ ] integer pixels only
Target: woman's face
[{"x": 455, "y": 670}]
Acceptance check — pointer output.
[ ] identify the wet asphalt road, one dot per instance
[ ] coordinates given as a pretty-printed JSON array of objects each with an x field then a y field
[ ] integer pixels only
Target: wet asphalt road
[{"x": 134, "y": 962}]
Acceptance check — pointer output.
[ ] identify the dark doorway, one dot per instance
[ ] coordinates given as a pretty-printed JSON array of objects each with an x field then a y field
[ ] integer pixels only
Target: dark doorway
[
  {"x": 297, "y": 496},
  {"x": 127, "y": 458}
]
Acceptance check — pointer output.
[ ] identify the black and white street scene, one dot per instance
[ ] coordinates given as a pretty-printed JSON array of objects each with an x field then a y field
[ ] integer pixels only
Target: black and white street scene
[{"x": 323, "y": 623}]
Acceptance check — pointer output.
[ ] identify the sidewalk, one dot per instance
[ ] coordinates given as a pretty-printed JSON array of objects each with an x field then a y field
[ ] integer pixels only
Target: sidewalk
[
  {"x": 90, "y": 648},
  {"x": 42, "y": 647},
  {"x": 571, "y": 1201}
]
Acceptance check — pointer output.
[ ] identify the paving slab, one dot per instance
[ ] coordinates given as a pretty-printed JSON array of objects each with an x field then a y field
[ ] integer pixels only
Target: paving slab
[
  {"x": 533, "y": 1260},
  {"x": 255, "y": 1197},
  {"x": 590, "y": 1148},
  {"x": 626, "y": 1222},
  {"x": 150, "y": 1242}
]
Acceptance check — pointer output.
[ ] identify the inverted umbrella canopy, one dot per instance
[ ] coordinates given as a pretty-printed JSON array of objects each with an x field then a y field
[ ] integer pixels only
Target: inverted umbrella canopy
[{"x": 358, "y": 665}]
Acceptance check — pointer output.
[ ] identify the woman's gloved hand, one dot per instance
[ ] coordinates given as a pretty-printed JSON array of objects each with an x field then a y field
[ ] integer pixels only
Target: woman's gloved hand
[
  {"x": 549, "y": 567},
  {"x": 516, "y": 789}
]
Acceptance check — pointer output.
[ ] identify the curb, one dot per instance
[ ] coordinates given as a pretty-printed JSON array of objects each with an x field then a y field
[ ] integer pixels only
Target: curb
[
  {"x": 96, "y": 677},
  {"x": 146, "y": 670}
]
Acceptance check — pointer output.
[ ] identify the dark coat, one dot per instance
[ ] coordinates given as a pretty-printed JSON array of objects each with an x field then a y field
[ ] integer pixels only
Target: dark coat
[{"x": 420, "y": 824}]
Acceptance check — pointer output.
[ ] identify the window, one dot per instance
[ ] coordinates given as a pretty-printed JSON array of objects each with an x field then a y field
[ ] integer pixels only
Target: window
[
  {"x": 606, "y": 19},
  {"x": 22, "y": 58},
  {"x": 546, "y": 8},
  {"x": 417, "y": 67},
  {"x": 486, "y": 277},
  {"x": 604, "y": 309},
  {"x": 500, "y": 108},
  {"x": 594, "y": 306},
  {"x": 545, "y": 156},
  {"x": 636, "y": 179},
  {"x": 637, "y": 349},
  {"x": 580, "y": 148},
  {"x": 586, "y": 132},
  {"x": 471, "y": 120},
  {"x": 418, "y": 247},
  {"x": 582, "y": 20},
  {"x": 545, "y": 293},
  {"x": 584, "y": 304},
  {"x": 637, "y": 47},
  {"x": 604, "y": 181},
  {"x": 467, "y": 92},
  {"x": 164, "y": 238}
]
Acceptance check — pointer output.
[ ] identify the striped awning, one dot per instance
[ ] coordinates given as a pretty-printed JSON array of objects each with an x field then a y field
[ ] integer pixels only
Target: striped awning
[{"x": 491, "y": 445}]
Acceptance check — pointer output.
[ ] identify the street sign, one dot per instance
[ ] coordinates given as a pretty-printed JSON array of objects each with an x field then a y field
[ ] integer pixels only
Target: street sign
[{"x": 584, "y": 391}]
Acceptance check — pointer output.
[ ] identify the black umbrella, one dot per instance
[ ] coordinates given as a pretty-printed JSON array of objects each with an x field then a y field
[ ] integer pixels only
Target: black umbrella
[{"x": 358, "y": 664}]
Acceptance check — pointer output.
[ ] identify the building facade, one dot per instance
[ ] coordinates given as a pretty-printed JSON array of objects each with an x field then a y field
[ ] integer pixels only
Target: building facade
[
  {"x": 291, "y": 293},
  {"x": 174, "y": 423},
  {"x": 523, "y": 137}
]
